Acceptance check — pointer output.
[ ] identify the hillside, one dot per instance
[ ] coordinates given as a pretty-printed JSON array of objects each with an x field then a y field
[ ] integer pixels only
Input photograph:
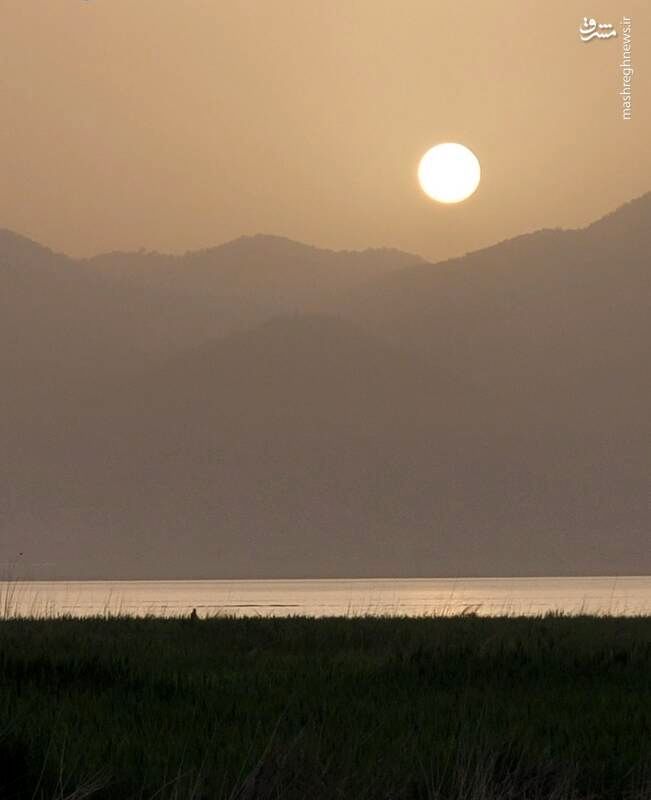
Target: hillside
[{"x": 485, "y": 415}]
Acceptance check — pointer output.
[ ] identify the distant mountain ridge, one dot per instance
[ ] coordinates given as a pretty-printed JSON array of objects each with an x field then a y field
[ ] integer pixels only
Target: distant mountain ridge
[
  {"x": 241, "y": 413},
  {"x": 151, "y": 303},
  {"x": 538, "y": 306},
  {"x": 271, "y": 272}
]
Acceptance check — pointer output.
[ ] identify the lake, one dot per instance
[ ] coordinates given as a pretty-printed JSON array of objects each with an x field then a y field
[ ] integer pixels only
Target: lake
[{"x": 330, "y": 597}]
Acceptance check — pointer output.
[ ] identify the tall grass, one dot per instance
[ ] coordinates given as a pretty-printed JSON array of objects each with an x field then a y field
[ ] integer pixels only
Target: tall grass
[
  {"x": 458, "y": 708},
  {"x": 9, "y": 588}
]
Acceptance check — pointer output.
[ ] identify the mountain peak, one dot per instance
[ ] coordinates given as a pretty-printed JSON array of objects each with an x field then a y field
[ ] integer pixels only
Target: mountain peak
[
  {"x": 635, "y": 215},
  {"x": 14, "y": 244}
]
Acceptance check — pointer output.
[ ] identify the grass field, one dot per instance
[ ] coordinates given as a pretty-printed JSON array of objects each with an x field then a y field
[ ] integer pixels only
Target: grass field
[{"x": 448, "y": 708}]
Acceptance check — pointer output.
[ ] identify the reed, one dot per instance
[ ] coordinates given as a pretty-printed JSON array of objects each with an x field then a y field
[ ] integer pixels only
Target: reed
[{"x": 438, "y": 708}]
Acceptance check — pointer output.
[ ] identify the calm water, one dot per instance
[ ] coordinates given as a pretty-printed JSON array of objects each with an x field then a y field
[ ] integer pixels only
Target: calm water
[{"x": 413, "y": 597}]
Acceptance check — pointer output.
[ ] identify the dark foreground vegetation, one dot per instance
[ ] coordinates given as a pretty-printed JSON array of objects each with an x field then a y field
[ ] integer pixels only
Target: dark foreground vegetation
[{"x": 447, "y": 709}]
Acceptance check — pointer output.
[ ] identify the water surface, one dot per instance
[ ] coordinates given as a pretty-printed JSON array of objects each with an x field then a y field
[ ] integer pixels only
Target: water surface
[{"x": 332, "y": 597}]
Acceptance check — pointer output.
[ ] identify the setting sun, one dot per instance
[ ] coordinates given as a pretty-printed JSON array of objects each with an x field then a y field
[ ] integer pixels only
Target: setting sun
[{"x": 449, "y": 172}]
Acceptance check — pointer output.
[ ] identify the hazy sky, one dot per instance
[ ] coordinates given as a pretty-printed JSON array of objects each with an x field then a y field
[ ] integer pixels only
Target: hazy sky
[{"x": 179, "y": 124}]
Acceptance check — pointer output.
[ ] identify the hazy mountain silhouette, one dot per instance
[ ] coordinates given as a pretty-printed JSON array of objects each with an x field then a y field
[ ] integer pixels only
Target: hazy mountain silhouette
[
  {"x": 75, "y": 326},
  {"x": 549, "y": 306},
  {"x": 250, "y": 279},
  {"x": 118, "y": 308},
  {"x": 265, "y": 270},
  {"x": 299, "y": 366},
  {"x": 55, "y": 312},
  {"x": 485, "y": 415},
  {"x": 215, "y": 452}
]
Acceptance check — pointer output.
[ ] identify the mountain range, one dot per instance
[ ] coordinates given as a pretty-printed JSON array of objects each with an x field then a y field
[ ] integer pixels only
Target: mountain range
[{"x": 269, "y": 409}]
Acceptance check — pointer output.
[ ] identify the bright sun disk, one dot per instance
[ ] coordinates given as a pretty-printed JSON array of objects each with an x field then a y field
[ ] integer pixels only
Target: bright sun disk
[{"x": 449, "y": 172}]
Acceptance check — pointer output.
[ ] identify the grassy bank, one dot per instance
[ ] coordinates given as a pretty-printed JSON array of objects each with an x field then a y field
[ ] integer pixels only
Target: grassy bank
[{"x": 462, "y": 708}]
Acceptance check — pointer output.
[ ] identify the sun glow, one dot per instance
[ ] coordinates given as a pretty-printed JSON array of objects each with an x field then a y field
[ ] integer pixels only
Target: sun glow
[{"x": 449, "y": 172}]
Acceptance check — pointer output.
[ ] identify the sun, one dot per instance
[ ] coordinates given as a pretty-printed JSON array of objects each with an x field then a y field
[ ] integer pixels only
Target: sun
[{"x": 449, "y": 172}]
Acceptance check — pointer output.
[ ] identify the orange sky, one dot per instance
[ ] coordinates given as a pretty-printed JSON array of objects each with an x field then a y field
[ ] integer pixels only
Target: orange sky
[{"x": 179, "y": 124}]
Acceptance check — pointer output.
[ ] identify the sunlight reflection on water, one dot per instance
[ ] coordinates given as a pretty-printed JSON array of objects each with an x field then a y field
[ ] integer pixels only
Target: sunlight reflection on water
[{"x": 331, "y": 597}]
